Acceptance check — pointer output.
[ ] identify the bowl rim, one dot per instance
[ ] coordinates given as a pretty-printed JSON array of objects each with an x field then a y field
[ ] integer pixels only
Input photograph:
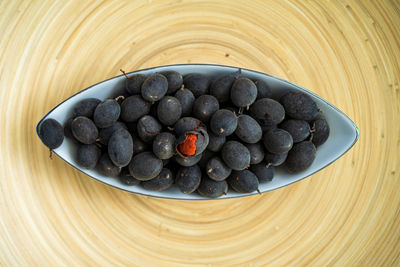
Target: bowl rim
[{"x": 357, "y": 132}]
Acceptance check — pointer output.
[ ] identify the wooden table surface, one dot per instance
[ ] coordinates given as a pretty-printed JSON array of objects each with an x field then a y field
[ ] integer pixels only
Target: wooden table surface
[{"x": 348, "y": 214}]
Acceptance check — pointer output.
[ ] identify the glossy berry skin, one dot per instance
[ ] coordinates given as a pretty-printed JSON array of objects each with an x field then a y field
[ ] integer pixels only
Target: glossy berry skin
[
  {"x": 274, "y": 159},
  {"x": 126, "y": 178},
  {"x": 148, "y": 128},
  {"x": 164, "y": 145},
  {"x": 299, "y": 106},
  {"x": 235, "y": 155},
  {"x": 187, "y": 124},
  {"x": 204, "y": 107},
  {"x": 87, "y": 156},
  {"x": 263, "y": 173},
  {"x": 154, "y": 87},
  {"x": 134, "y": 83},
  {"x": 267, "y": 112},
  {"x": 243, "y": 181},
  {"x": 85, "y": 107},
  {"x": 169, "y": 110},
  {"x": 187, "y": 161},
  {"x": 105, "y": 133},
  {"x": 298, "y": 129},
  {"x": 145, "y": 166},
  {"x": 300, "y": 157},
  {"x": 84, "y": 130},
  {"x": 217, "y": 170},
  {"x": 186, "y": 98},
  {"x": 175, "y": 81},
  {"x": 256, "y": 153},
  {"x": 188, "y": 179},
  {"x": 51, "y": 133},
  {"x": 197, "y": 83},
  {"x": 278, "y": 141},
  {"x": 223, "y": 122},
  {"x": 211, "y": 188},
  {"x": 243, "y": 92},
  {"x": 120, "y": 148},
  {"x": 263, "y": 89},
  {"x": 221, "y": 88},
  {"x": 106, "y": 113},
  {"x": 321, "y": 131},
  {"x": 162, "y": 182},
  {"x": 133, "y": 108},
  {"x": 248, "y": 129},
  {"x": 215, "y": 142},
  {"x": 106, "y": 167}
]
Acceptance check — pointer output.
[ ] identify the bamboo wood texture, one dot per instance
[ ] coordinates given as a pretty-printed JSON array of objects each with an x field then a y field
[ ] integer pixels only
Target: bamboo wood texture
[{"x": 348, "y": 52}]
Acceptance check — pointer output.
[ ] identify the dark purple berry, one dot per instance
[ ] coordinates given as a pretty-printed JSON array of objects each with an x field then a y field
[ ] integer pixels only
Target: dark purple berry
[
  {"x": 248, "y": 130},
  {"x": 215, "y": 142},
  {"x": 221, "y": 88},
  {"x": 243, "y": 92},
  {"x": 320, "y": 131},
  {"x": 67, "y": 128},
  {"x": 162, "y": 182},
  {"x": 211, "y": 188},
  {"x": 197, "y": 83},
  {"x": 188, "y": 179},
  {"x": 267, "y": 112},
  {"x": 169, "y": 110},
  {"x": 148, "y": 128},
  {"x": 274, "y": 159},
  {"x": 87, "y": 156},
  {"x": 256, "y": 152},
  {"x": 84, "y": 130},
  {"x": 133, "y": 108},
  {"x": 235, "y": 155},
  {"x": 145, "y": 166},
  {"x": 187, "y": 124},
  {"x": 263, "y": 172},
  {"x": 154, "y": 87},
  {"x": 51, "y": 133},
  {"x": 299, "y": 106},
  {"x": 106, "y": 167},
  {"x": 106, "y": 113},
  {"x": 300, "y": 157},
  {"x": 105, "y": 133},
  {"x": 204, "y": 107},
  {"x": 138, "y": 145},
  {"x": 263, "y": 89},
  {"x": 175, "y": 81},
  {"x": 223, "y": 122},
  {"x": 217, "y": 170},
  {"x": 298, "y": 129},
  {"x": 206, "y": 156},
  {"x": 164, "y": 145},
  {"x": 278, "y": 141},
  {"x": 243, "y": 181},
  {"x": 85, "y": 107},
  {"x": 186, "y": 98},
  {"x": 126, "y": 178},
  {"x": 120, "y": 148},
  {"x": 134, "y": 83},
  {"x": 187, "y": 161}
]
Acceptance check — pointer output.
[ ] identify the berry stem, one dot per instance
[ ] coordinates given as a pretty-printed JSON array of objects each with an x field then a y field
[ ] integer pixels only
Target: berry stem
[
  {"x": 268, "y": 165},
  {"x": 238, "y": 73},
  {"x": 123, "y": 72},
  {"x": 258, "y": 190},
  {"x": 51, "y": 154},
  {"x": 119, "y": 97}
]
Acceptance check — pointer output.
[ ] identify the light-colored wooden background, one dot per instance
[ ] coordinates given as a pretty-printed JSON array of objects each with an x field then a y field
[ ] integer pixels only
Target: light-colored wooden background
[{"x": 346, "y": 51}]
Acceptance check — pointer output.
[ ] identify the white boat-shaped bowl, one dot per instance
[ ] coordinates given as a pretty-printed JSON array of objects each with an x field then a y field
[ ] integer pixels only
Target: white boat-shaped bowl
[{"x": 343, "y": 132}]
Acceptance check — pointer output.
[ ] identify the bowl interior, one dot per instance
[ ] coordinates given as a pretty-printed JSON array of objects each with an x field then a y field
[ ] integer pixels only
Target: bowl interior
[{"x": 343, "y": 132}]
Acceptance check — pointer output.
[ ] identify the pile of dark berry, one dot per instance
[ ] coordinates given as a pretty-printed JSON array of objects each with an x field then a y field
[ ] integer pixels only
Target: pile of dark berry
[{"x": 197, "y": 133}]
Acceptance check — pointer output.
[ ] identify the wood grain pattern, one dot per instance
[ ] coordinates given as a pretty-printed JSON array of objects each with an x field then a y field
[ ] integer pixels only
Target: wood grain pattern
[{"x": 345, "y": 51}]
